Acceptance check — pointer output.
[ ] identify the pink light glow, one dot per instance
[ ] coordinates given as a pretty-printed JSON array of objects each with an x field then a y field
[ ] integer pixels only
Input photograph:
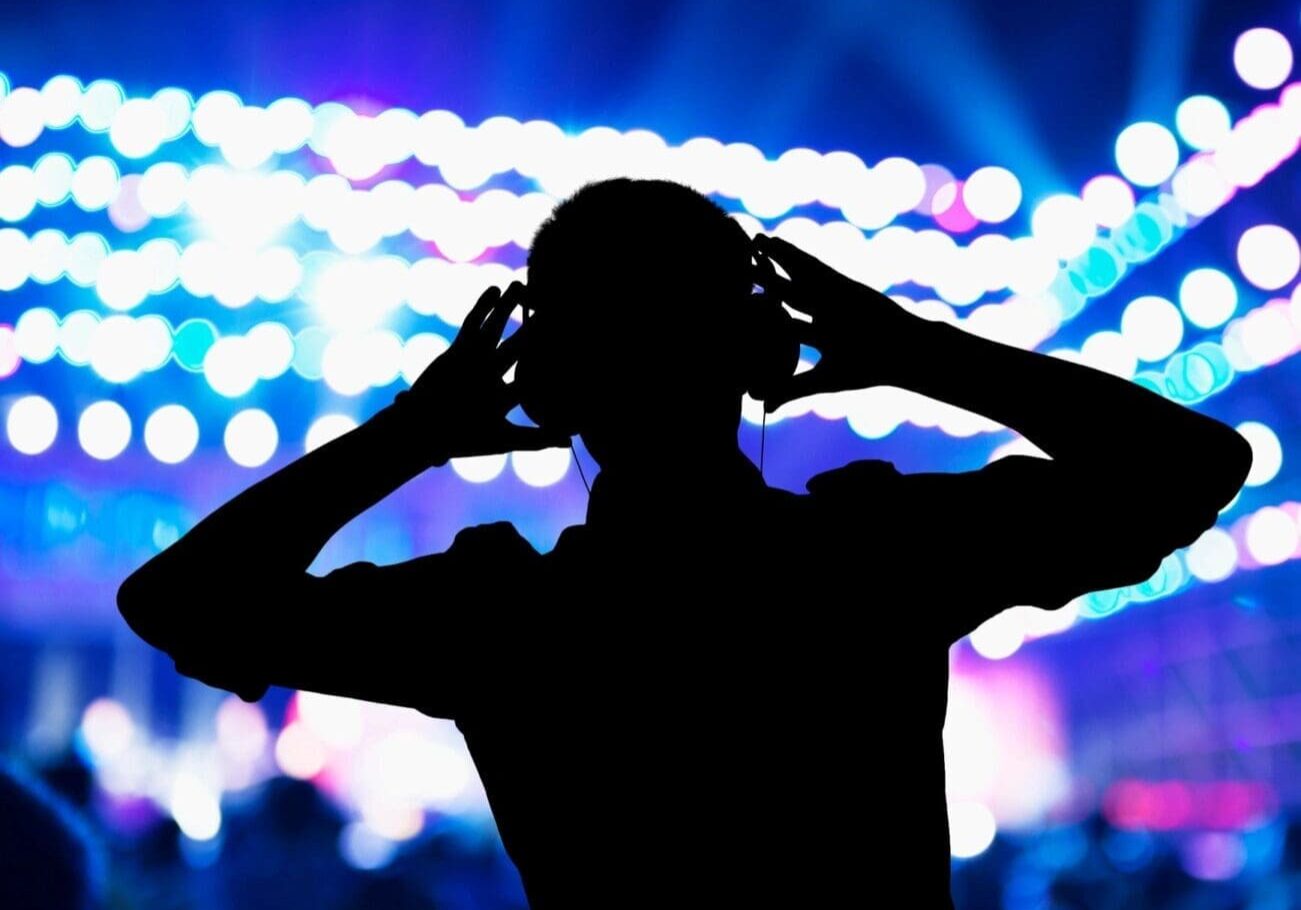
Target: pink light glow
[{"x": 951, "y": 212}]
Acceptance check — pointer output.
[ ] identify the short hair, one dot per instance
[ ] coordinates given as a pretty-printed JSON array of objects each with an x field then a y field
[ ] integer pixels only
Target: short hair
[
  {"x": 47, "y": 856},
  {"x": 645, "y": 237}
]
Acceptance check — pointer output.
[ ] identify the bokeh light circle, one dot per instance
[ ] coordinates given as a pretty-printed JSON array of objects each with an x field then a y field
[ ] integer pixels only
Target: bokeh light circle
[
  {"x": 479, "y": 468},
  {"x": 1109, "y": 200},
  {"x": 171, "y": 434},
  {"x": 251, "y": 438},
  {"x": 1213, "y": 556},
  {"x": 1202, "y": 121},
  {"x": 1208, "y": 297},
  {"x": 1271, "y": 536},
  {"x": 1153, "y": 327},
  {"x": 1263, "y": 58},
  {"x": 1064, "y": 224},
  {"x": 1146, "y": 153},
  {"x": 992, "y": 194},
  {"x": 541, "y": 468},
  {"x": 32, "y": 424},
  {"x": 1268, "y": 256},
  {"x": 327, "y": 428},
  {"x": 1266, "y": 452},
  {"x": 104, "y": 429}
]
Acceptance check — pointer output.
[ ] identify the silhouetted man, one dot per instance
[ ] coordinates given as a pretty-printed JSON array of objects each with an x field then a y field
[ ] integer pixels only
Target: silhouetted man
[{"x": 713, "y": 693}]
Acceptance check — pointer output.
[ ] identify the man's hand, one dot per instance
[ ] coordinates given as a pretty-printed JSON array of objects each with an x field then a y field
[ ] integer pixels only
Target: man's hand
[
  {"x": 461, "y": 395},
  {"x": 861, "y": 334}
]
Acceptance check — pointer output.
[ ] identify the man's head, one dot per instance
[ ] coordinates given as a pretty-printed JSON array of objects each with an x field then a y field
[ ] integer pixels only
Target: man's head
[{"x": 639, "y": 288}]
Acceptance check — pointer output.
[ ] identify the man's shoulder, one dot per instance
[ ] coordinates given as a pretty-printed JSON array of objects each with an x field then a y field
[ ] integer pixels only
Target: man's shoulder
[
  {"x": 492, "y": 540},
  {"x": 856, "y": 477}
]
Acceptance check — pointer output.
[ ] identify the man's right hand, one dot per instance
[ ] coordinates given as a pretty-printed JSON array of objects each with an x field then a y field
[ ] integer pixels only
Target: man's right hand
[
  {"x": 862, "y": 336},
  {"x": 461, "y": 398}
]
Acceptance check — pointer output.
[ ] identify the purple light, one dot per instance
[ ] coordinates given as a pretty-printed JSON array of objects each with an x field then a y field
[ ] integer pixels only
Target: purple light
[{"x": 951, "y": 211}]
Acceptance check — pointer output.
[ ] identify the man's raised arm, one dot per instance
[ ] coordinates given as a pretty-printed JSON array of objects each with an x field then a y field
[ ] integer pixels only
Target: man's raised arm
[
  {"x": 1132, "y": 476},
  {"x": 220, "y": 598}
]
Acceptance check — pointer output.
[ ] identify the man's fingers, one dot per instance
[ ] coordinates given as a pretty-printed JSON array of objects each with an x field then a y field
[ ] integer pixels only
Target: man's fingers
[
  {"x": 509, "y": 350},
  {"x": 806, "y": 333},
  {"x": 482, "y": 307},
  {"x": 516, "y": 438},
  {"x": 810, "y": 382},
  {"x": 792, "y": 259},
  {"x": 808, "y": 275},
  {"x": 767, "y": 278},
  {"x": 495, "y": 323}
]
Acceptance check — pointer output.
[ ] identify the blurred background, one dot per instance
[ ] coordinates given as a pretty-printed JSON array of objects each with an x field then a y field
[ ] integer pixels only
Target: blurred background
[{"x": 232, "y": 232}]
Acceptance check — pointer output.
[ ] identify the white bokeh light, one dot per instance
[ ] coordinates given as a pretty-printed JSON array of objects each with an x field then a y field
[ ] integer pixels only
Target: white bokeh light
[
  {"x": 53, "y": 175},
  {"x": 1109, "y": 200},
  {"x": 124, "y": 280},
  {"x": 176, "y": 105},
  {"x": 32, "y": 424},
  {"x": 212, "y": 116},
  {"x": 1268, "y": 256},
  {"x": 36, "y": 335},
  {"x": 162, "y": 189},
  {"x": 327, "y": 428},
  {"x": 971, "y": 829},
  {"x": 231, "y": 366},
  {"x": 1213, "y": 556},
  {"x": 104, "y": 430},
  {"x": 1200, "y": 187},
  {"x": 1208, "y": 297},
  {"x": 1271, "y": 536},
  {"x": 251, "y": 438},
  {"x": 49, "y": 252},
  {"x": 1146, "y": 153},
  {"x": 1266, "y": 452},
  {"x": 1110, "y": 352},
  {"x": 479, "y": 468},
  {"x": 299, "y": 753},
  {"x": 365, "y": 849},
  {"x": 419, "y": 352},
  {"x": 153, "y": 341},
  {"x": 18, "y": 192},
  {"x": 107, "y": 728},
  {"x": 61, "y": 100},
  {"x": 1263, "y": 58},
  {"x": 541, "y": 468},
  {"x": 1064, "y": 224},
  {"x": 272, "y": 348},
  {"x": 22, "y": 117},
  {"x": 100, "y": 103},
  {"x": 15, "y": 259},
  {"x": 1153, "y": 327},
  {"x": 171, "y": 434},
  {"x": 139, "y": 128},
  {"x": 77, "y": 337},
  {"x": 1203, "y": 121},
  {"x": 194, "y": 807},
  {"x": 95, "y": 183},
  {"x": 117, "y": 349},
  {"x": 992, "y": 194},
  {"x": 998, "y": 637}
]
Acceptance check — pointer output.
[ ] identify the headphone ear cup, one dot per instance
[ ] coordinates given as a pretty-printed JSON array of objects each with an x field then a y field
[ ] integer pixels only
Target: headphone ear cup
[
  {"x": 771, "y": 348},
  {"x": 537, "y": 384}
]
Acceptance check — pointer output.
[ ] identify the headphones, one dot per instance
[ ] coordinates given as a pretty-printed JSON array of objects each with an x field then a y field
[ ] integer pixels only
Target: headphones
[{"x": 767, "y": 351}]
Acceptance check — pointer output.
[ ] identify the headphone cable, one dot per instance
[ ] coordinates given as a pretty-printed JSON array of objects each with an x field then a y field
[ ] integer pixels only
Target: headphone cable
[{"x": 578, "y": 464}]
